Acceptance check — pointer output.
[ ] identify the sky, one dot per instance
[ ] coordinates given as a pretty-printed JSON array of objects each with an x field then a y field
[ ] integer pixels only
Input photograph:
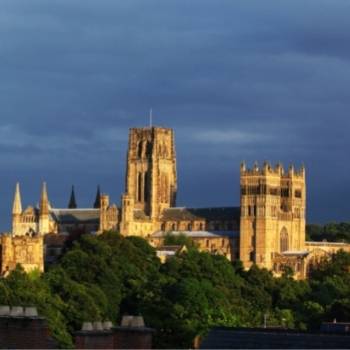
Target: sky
[{"x": 236, "y": 80}]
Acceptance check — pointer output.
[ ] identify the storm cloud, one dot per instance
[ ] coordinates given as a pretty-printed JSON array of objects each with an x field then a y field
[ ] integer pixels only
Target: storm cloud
[{"x": 237, "y": 80}]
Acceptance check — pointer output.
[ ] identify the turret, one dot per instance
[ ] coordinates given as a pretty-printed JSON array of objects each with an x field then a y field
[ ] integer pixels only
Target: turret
[
  {"x": 72, "y": 202},
  {"x": 16, "y": 211},
  {"x": 291, "y": 170},
  {"x": 243, "y": 167},
  {"x": 44, "y": 211},
  {"x": 108, "y": 214},
  {"x": 17, "y": 203},
  {"x": 97, "y": 203}
]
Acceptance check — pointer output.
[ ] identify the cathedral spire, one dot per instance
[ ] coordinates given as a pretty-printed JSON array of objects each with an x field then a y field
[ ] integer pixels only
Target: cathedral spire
[
  {"x": 97, "y": 203},
  {"x": 17, "y": 203},
  {"x": 44, "y": 201},
  {"x": 72, "y": 202}
]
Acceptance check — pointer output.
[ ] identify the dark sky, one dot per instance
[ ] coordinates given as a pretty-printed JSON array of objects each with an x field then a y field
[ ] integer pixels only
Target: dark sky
[{"x": 237, "y": 80}]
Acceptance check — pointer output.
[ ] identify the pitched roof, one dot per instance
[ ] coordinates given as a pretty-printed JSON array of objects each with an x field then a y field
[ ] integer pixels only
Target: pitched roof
[
  {"x": 198, "y": 234},
  {"x": 209, "y": 214},
  {"x": 75, "y": 216}
]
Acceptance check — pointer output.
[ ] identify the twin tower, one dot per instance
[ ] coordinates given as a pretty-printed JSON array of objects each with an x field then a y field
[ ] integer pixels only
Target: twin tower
[{"x": 272, "y": 200}]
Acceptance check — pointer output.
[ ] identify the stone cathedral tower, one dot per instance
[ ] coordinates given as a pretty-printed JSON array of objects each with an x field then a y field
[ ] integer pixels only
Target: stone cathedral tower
[
  {"x": 272, "y": 214},
  {"x": 151, "y": 179}
]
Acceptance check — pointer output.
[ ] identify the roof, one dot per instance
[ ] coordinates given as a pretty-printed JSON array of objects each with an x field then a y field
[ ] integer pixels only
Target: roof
[
  {"x": 75, "y": 216},
  {"x": 198, "y": 234},
  {"x": 209, "y": 214},
  {"x": 295, "y": 253},
  {"x": 140, "y": 215},
  {"x": 53, "y": 239},
  {"x": 325, "y": 243},
  {"x": 169, "y": 248},
  {"x": 271, "y": 338}
]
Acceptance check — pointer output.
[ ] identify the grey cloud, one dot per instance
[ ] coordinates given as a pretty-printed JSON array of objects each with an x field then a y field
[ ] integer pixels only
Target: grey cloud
[{"x": 269, "y": 80}]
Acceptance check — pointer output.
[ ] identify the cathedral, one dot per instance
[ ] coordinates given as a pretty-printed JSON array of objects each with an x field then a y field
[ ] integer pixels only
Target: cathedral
[{"x": 267, "y": 229}]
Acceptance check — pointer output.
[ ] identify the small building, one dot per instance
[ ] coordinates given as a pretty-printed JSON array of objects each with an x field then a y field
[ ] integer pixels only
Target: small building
[
  {"x": 225, "y": 243},
  {"x": 168, "y": 251},
  {"x": 27, "y": 250}
]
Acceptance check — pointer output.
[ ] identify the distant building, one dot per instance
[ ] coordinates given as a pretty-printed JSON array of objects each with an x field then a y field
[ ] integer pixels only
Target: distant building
[
  {"x": 267, "y": 229},
  {"x": 46, "y": 219}
]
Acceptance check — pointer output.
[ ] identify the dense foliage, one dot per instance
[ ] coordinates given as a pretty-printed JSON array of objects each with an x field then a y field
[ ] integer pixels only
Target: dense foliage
[
  {"x": 105, "y": 277},
  {"x": 332, "y": 232}
]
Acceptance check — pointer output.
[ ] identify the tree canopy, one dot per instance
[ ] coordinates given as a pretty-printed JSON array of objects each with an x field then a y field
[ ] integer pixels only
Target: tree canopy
[{"x": 104, "y": 277}]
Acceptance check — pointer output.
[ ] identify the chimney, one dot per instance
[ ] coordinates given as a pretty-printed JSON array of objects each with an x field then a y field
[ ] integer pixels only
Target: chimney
[
  {"x": 22, "y": 328},
  {"x": 95, "y": 335},
  {"x": 132, "y": 334}
]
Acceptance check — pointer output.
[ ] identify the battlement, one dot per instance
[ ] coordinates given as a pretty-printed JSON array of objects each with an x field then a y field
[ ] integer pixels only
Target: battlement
[
  {"x": 150, "y": 130},
  {"x": 268, "y": 170}
]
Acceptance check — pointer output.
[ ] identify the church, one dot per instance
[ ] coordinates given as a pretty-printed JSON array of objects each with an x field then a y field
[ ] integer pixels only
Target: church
[{"x": 266, "y": 229}]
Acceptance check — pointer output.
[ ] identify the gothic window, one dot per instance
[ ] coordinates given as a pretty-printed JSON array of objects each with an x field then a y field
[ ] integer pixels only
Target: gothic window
[
  {"x": 146, "y": 186},
  {"x": 284, "y": 240},
  {"x": 273, "y": 191},
  {"x": 200, "y": 227},
  {"x": 273, "y": 211},
  {"x": 189, "y": 227},
  {"x": 139, "y": 187},
  {"x": 285, "y": 192},
  {"x": 165, "y": 151},
  {"x": 173, "y": 227},
  {"x": 139, "y": 150},
  {"x": 297, "y": 194},
  {"x": 162, "y": 227},
  {"x": 164, "y": 188},
  {"x": 148, "y": 149},
  {"x": 252, "y": 242}
]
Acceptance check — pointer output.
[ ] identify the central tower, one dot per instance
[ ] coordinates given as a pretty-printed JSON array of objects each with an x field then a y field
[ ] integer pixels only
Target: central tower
[{"x": 151, "y": 180}]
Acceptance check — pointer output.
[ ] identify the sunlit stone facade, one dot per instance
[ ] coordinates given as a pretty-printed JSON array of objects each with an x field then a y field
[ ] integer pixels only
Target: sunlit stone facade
[{"x": 267, "y": 229}]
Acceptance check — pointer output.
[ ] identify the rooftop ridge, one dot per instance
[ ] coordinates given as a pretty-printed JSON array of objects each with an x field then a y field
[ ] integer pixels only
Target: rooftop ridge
[
  {"x": 75, "y": 209},
  {"x": 189, "y": 208}
]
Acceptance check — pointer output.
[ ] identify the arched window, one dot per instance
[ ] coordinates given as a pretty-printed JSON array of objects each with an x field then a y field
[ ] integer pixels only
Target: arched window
[
  {"x": 139, "y": 187},
  {"x": 189, "y": 227},
  {"x": 149, "y": 149},
  {"x": 284, "y": 240},
  {"x": 163, "y": 227},
  {"x": 146, "y": 187},
  {"x": 200, "y": 227},
  {"x": 139, "y": 150},
  {"x": 173, "y": 227}
]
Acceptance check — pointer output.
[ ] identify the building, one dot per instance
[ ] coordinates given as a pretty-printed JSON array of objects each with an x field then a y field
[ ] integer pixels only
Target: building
[
  {"x": 273, "y": 338},
  {"x": 273, "y": 204},
  {"x": 27, "y": 250},
  {"x": 45, "y": 219},
  {"x": 267, "y": 229}
]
